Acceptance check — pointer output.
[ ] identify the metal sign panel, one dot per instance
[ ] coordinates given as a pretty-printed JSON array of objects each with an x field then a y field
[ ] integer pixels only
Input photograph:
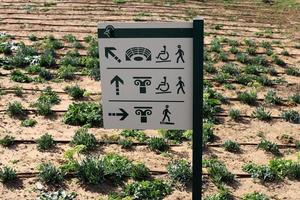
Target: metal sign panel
[{"x": 147, "y": 75}]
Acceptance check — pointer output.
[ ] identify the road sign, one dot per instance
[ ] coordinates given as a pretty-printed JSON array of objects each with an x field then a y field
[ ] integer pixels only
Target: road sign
[{"x": 150, "y": 77}]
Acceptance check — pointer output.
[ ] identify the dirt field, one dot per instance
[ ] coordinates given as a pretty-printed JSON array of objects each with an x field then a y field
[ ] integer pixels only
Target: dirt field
[{"x": 236, "y": 20}]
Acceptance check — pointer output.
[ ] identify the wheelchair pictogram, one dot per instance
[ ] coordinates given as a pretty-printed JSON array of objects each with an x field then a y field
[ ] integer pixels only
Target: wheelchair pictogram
[
  {"x": 163, "y": 55},
  {"x": 163, "y": 87}
]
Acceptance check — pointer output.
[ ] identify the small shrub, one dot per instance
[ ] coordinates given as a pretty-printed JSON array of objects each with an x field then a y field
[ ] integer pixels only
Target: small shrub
[
  {"x": 44, "y": 108},
  {"x": 155, "y": 189},
  {"x": 261, "y": 114},
  {"x": 15, "y": 109},
  {"x": 231, "y": 69},
  {"x": 7, "y": 141},
  {"x": 180, "y": 171},
  {"x": 231, "y": 146},
  {"x": 50, "y": 42},
  {"x": 33, "y": 69},
  {"x": 45, "y": 74},
  {"x": 82, "y": 137},
  {"x": 295, "y": 98},
  {"x": 18, "y": 91},
  {"x": 210, "y": 68},
  {"x": 69, "y": 38},
  {"x": 269, "y": 146},
  {"x": 66, "y": 72},
  {"x": 19, "y": 77},
  {"x": 91, "y": 171},
  {"x": 223, "y": 194},
  {"x": 45, "y": 142},
  {"x": 139, "y": 135},
  {"x": 255, "y": 196},
  {"x": 47, "y": 59},
  {"x": 139, "y": 172},
  {"x": 254, "y": 69},
  {"x": 174, "y": 135},
  {"x": 251, "y": 51},
  {"x": 278, "y": 61},
  {"x": 157, "y": 144},
  {"x": 29, "y": 123},
  {"x": 235, "y": 114},
  {"x": 32, "y": 37},
  {"x": 248, "y": 97},
  {"x": 116, "y": 167},
  {"x": 126, "y": 143},
  {"x": 7, "y": 175},
  {"x": 218, "y": 172},
  {"x": 292, "y": 71},
  {"x": 49, "y": 174},
  {"x": 272, "y": 98},
  {"x": 84, "y": 114},
  {"x": 49, "y": 96},
  {"x": 233, "y": 50},
  {"x": 291, "y": 116},
  {"x": 75, "y": 91},
  {"x": 57, "y": 195}
]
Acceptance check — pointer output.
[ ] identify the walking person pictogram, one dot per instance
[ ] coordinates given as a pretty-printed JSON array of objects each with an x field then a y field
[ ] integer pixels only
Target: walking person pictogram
[
  {"x": 180, "y": 85},
  {"x": 180, "y": 54},
  {"x": 166, "y": 113}
]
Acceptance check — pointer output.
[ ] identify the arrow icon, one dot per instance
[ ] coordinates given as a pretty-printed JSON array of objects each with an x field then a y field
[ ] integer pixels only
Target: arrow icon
[
  {"x": 117, "y": 80},
  {"x": 123, "y": 113},
  {"x": 109, "y": 51}
]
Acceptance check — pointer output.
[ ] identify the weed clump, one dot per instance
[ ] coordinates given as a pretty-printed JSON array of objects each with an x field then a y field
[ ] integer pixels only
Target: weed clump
[
  {"x": 157, "y": 144},
  {"x": 231, "y": 146},
  {"x": 82, "y": 137},
  {"x": 49, "y": 174},
  {"x": 7, "y": 174},
  {"x": 248, "y": 97},
  {"x": 45, "y": 142}
]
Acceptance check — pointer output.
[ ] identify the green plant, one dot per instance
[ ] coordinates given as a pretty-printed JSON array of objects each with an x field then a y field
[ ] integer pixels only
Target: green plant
[
  {"x": 91, "y": 171},
  {"x": 139, "y": 135},
  {"x": 174, "y": 135},
  {"x": 29, "y": 123},
  {"x": 151, "y": 190},
  {"x": 116, "y": 167},
  {"x": 249, "y": 43},
  {"x": 7, "y": 174},
  {"x": 248, "y": 97},
  {"x": 82, "y": 137},
  {"x": 269, "y": 146},
  {"x": 44, "y": 108},
  {"x": 32, "y": 37},
  {"x": 231, "y": 146},
  {"x": 210, "y": 68},
  {"x": 139, "y": 172},
  {"x": 75, "y": 91},
  {"x": 285, "y": 53},
  {"x": 297, "y": 144},
  {"x": 119, "y": 1},
  {"x": 272, "y": 98},
  {"x": 84, "y": 114},
  {"x": 251, "y": 51},
  {"x": 261, "y": 114},
  {"x": 69, "y": 38},
  {"x": 235, "y": 114},
  {"x": 7, "y": 141},
  {"x": 218, "y": 172},
  {"x": 33, "y": 69},
  {"x": 295, "y": 98},
  {"x": 180, "y": 171},
  {"x": 66, "y": 72},
  {"x": 6, "y": 48},
  {"x": 223, "y": 194},
  {"x": 57, "y": 195},
  {"x": 230, "y": 68},
  {"x": 255, "y": 196},
  {"x": 292, "y": 71},
  {"x": 49, "y": 174},
  {"x": 50, "y": 42},
  {"x": 233, "y": 50},
  {"x": 254, "y": 69},
  {"x": 15, "y": 109},
  {"x": 45, "y": 74},
  {"x": 278, "y": 61},
  {"x": 49, "y": 96},
  {"x": 126, "y": 143},
  {"x": 47, "y": 59},
  {"x": 208, "y": 133},
  {"x": 45, "y": 142},
  {"x": 291, "y": 116},
  {"x": 20, "y": 77},
  {"x": 157, "y": 144}
]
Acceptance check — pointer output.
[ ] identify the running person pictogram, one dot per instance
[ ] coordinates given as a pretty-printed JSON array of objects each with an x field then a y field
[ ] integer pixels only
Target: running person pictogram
[
  {"x": 180, "y": 54},
  {"x": 180, "y": 85}
]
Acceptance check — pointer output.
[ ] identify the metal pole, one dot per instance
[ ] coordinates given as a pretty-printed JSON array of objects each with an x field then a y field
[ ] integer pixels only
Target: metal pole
[{"x": 198, "y": 42}]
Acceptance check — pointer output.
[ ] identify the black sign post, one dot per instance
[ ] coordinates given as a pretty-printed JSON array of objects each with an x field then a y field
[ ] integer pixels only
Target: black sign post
[{"x": 198, "y": 43}]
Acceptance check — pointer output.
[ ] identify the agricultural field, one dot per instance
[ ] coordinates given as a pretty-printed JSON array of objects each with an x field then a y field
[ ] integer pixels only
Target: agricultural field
[{"x": 53, "y": 146}]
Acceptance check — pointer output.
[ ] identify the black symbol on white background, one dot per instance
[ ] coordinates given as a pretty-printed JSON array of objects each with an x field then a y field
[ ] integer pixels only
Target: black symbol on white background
[
  {"x": 163, "y": 87},
  {"x": 166, "y": 116},
  {"x": 163, "y": 55},
  {"x": 142, "y": 82},
  {"x": 109, "y": 51},
  {"x": 117, "y": 80},
  {"x": 143, "y": 112},
  {"x": 138, "y": 54},
  {"x": 180, "y": 84},
  {"x": 180, "y": 54},
  {"x": 123, "y": 114}
]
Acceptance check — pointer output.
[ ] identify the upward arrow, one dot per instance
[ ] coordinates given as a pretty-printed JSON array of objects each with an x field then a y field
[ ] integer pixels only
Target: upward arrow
[
  {"x": 109, "y": 51},
  {"x": 117, "y": 80}
]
